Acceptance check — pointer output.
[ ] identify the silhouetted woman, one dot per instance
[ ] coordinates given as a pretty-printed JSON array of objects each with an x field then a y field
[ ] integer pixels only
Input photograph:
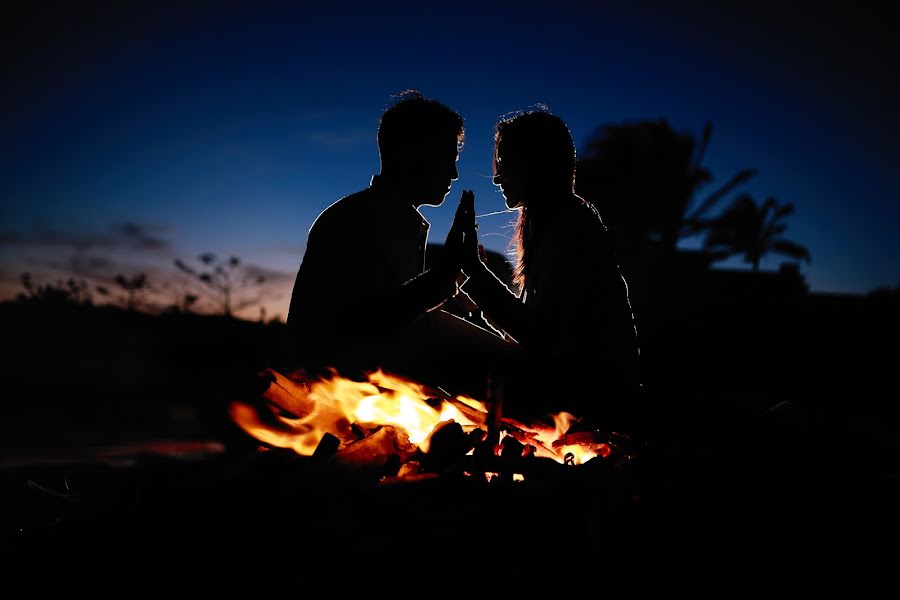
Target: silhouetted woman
[{"x": 572, "y": 314}]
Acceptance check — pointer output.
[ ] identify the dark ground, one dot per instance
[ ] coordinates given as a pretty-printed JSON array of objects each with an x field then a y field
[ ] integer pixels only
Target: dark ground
[{"x": 122, "y": 474}]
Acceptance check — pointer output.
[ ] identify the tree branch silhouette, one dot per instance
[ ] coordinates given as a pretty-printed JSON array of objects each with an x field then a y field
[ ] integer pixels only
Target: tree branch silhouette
[{"x": 221, "y": 282}]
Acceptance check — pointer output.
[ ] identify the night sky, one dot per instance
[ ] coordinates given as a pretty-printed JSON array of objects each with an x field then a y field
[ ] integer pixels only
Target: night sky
[{"x": 133, "y": 133}]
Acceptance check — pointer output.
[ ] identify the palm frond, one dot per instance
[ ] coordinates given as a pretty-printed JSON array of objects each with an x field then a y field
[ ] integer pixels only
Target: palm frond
[
  {"x": 739, "y": 178},
  {"x": 704, "y": 143},
  {"x": 792, "y": 249}
]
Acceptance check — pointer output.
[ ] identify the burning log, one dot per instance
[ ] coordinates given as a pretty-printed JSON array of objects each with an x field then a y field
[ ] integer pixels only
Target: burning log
[
  {"x": 583, "y": 438},
  {"x": 478, "y": 417},
  {"x": 377, "y": 448},
  {"x": 448, "y": 445},
  {"x": 494, "y": 403},
  {"x": 292, "y": 397},
  {"x": 410, "y": 469},
  {"x": 510, "y": 458},
  {"x": 511, "y": 448},
  {"x": 531, "y": 468},
  {"x": 385, "y": 421},
  {"x": 327, "y": 447}
]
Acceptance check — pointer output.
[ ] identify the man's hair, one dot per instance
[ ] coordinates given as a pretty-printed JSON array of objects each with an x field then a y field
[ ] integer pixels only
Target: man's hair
[{"x": 412, "y": 115}]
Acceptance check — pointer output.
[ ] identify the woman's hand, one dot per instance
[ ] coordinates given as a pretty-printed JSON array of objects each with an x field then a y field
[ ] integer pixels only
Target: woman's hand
[
  {"x": 461, "y": 245},
  {"x": 472, "y": 251}
]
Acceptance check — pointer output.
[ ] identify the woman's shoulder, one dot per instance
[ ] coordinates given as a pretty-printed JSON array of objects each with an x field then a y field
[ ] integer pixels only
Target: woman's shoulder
[
  {"x": 580, "y": 222},
  {"x": 580, "y": 239}
]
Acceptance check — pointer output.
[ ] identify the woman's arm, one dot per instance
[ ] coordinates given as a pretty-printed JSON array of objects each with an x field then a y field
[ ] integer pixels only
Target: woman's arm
[{"x": 501, "y": 305}]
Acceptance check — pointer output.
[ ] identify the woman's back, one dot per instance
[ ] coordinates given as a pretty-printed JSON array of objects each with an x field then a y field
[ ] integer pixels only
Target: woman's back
[
  {"x": 574, "y": 317},
  {"x": 576, "y": 289}
]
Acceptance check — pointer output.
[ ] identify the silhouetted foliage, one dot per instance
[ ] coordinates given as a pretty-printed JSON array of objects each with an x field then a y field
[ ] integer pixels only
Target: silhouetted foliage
[
  {"x": 751, "y": 230},
  {"x": 886, "y": 291},
  {"x": 188, "y": 301},
  {"x": 643, "y": 177},
  {"x": 646, "y": 179},
  {"x": 221, "y": 283},
  {"x": 70, "y": 291},
  {"x": 133, "y": 290}
]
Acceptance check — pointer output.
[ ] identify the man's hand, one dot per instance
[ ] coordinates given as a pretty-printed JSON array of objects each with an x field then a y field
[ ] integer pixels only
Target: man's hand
[{"x": 461, "y": 244}]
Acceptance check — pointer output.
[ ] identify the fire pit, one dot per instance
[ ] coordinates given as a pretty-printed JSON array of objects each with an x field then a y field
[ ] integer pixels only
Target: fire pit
[
  {"x": 384, "y": 479},
  {"x": 405, "y": 430}
]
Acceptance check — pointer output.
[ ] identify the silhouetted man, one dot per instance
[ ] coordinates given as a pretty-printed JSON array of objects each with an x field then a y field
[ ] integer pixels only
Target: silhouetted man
[{"x": 363, "y": 298}]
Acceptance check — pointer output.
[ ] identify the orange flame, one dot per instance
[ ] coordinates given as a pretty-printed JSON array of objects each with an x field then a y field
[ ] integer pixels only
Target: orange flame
[
  {"x": 554, "y": 443},
  {"x": 334, "y": 405}
]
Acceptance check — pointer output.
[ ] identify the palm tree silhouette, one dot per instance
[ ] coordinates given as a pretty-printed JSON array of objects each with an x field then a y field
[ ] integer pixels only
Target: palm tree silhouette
[
  {"x": 752, "y": 230},
  {"x": 644, "y": 176}
]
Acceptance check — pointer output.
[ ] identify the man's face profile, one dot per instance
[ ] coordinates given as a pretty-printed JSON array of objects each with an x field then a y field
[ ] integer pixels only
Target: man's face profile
[{"x": 434, "y": 170}]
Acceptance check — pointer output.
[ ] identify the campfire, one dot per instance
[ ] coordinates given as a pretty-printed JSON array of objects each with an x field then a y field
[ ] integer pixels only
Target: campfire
[{"x": 408, "y": 429}]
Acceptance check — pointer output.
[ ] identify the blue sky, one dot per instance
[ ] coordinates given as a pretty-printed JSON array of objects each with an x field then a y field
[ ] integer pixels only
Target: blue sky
[{"x": 135, "y": 134}]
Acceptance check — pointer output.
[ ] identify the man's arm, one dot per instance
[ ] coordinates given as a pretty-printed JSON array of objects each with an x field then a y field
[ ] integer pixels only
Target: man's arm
[
  {"x": 354, "y": 285},
  {"x": 415, "y": 297},
  {"x": 437, "y": 285}
]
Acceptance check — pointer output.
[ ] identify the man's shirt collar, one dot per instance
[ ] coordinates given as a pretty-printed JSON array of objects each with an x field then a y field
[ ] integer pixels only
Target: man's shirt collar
[{"x": 383, "y": 187}]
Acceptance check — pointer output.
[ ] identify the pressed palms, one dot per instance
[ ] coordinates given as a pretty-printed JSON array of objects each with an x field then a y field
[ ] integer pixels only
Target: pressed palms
[{"x": 753, "y": 231}]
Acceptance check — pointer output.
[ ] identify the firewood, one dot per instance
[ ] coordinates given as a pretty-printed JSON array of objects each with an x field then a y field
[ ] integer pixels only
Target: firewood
[
  {"x": 447, "y": 445},
  {"x": 438, "y": 395},
  {"x": 477, "y": 417},
  {"x": 291, "y": 398},
  {"x": 288, "y": 395},
  {"x": 391, "y": 465},
  {"x": 375, "y": 449},
  {"x": 583, "y": 438},
  {"x": 511, "y": 448},
  {"x": 476, "y": 436},
  {"x": 531, "y": 467},
  {"x": 328, "y": 445},
  {"x": 409, "y": 472},
  {"x": 494, "y": 401},
  {"x": 527, "y": 439},
  {"x": 409, "y": 469}
]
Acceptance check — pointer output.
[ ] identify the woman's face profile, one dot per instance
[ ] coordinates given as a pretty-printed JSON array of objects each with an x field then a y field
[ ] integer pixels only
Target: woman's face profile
[{"x": 508, "y": 178}]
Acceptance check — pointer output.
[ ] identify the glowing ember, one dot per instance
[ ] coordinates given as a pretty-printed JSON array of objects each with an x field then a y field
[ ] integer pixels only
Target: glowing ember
[{"x": 554, "y": 442}]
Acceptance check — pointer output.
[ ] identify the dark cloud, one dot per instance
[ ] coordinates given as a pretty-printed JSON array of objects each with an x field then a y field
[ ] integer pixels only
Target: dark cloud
[
  {"x": 140, "y": 238},
  {"x": 120, "y": 236},
  {"x": 98, "y": 267},
  {"x": 83, "y": 266}
]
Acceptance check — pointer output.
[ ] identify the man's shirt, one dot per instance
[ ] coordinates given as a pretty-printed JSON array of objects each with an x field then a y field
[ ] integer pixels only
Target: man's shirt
[{"x": 362, "y": 275}]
